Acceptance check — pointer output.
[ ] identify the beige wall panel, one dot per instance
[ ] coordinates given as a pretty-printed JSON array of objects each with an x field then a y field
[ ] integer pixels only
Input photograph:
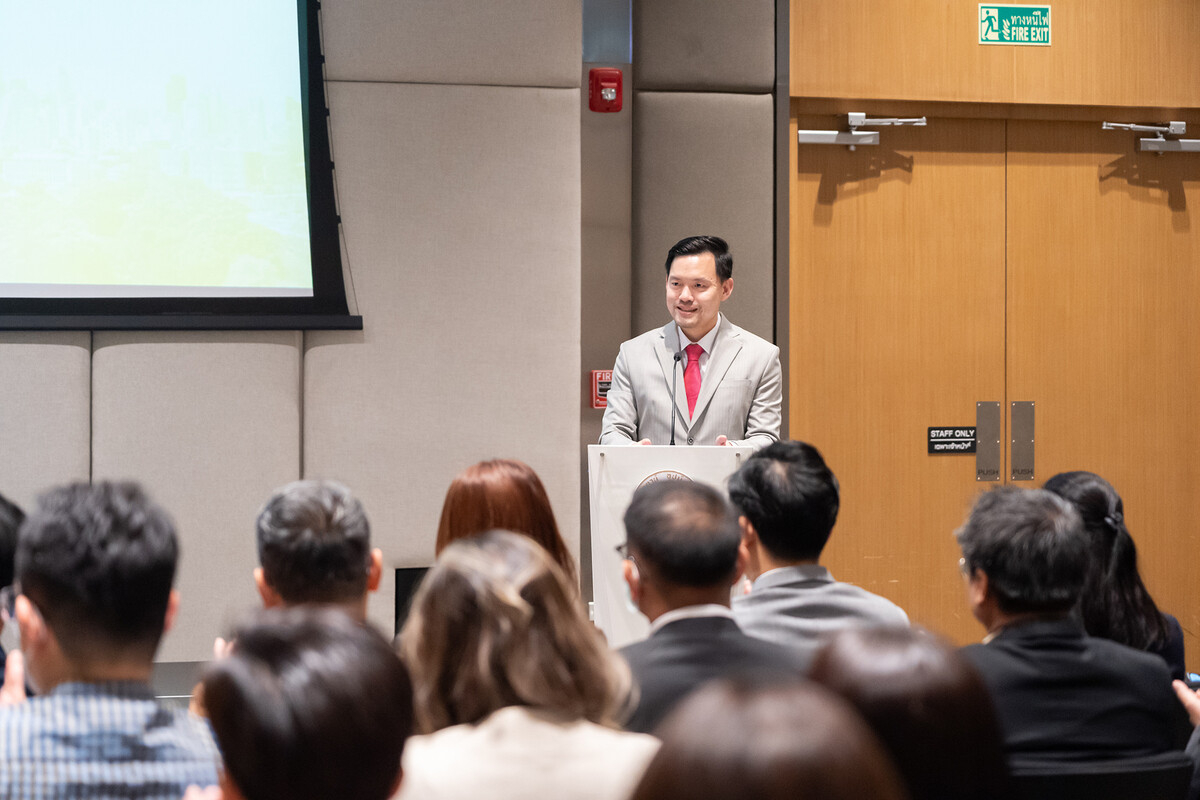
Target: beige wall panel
[
  {"x": 1104, "y": 52},
  {"x": 511, "y": 43},
  {"x": 462, "y": 220},
  {"x": 703, "y": 164},
  {"x": 710, "y": 45},
  {"x": 45, "y": 425},
  {"x": 209, "y": 423}
]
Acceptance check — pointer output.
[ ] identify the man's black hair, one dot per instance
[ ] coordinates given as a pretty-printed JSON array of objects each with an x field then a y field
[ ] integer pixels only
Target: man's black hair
[
  {"x": 308, "y": 705},
  {"x": 695, "y": 245},
  {"x": 11, "y": 518},
  {"x": 98, "y": 562},
  {"x": 791, "y": 498},
  {"x": 1032, "y": 546},
  {"x": 314, "y": 543},
  {"x": 684, "y": 532}
]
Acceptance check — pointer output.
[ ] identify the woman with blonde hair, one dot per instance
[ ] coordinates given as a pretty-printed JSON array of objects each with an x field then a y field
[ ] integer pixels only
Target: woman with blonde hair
[
  {"x": 514, "y": 689},
  {"x": 502, "y": 494}
]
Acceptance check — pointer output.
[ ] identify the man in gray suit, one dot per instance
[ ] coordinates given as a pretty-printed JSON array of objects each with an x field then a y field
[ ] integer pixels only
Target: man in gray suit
[
  {"x": 788, "y": 500},
  {"x": 726, "y": 382}
]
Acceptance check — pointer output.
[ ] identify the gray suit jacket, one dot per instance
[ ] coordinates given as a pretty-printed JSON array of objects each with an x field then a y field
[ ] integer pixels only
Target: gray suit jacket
[
  {"x": 741, "y": 396},
  {"x": 798, "y": 607}
]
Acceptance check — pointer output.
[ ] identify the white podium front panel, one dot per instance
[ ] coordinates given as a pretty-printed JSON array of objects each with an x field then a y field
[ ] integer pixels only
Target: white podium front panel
[{"x": 614, "y": 473}]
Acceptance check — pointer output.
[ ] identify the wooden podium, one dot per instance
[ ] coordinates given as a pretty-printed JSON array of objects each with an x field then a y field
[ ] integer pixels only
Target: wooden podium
[{"x": 614, "y": 473}]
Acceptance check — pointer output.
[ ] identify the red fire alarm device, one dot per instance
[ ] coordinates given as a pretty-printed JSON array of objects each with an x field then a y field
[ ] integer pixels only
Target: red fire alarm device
[
  {"x": 601, "y": 380},
  {"x": 604, "y": 89}
]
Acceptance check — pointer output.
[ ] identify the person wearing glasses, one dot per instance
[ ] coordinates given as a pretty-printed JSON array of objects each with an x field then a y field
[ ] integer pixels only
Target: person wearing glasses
[{"x": 682, "y": 554}]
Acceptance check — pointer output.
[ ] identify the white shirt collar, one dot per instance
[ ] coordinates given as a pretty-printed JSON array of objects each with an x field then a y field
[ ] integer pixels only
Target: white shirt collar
[
  {"x": 706, "y": 341},
  {"x": 690, "y": 612}
]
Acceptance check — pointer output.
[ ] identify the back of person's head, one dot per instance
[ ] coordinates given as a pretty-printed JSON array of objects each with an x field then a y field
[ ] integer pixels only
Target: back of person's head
[
  {"x": 927, "y": 705},
  {"x": 494, "y": 624},
  {"x": 314, "y": 544},
  {"x": 1031, "y": 546},
  {"x": 683, "y": 533},
  {"x": 502, "y": 494},
  {"x": 733, "y": 740},
  {"x": 98, "y": 562},
  {"x": 695, "y": 245},
  {"x": 1115, "y": 603},
  {"x": 310, "y": 704},
  {"x": 790, "y": 497},
  {"x": 11, "y": 518}
]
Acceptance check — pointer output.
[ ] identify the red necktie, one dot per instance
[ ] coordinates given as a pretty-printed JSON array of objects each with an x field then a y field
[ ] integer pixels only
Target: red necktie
[{"x": 691, "y": 376}]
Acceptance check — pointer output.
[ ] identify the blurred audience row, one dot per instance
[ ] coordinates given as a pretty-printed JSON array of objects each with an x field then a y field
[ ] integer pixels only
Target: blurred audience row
[{"x": 498, "y": 685}]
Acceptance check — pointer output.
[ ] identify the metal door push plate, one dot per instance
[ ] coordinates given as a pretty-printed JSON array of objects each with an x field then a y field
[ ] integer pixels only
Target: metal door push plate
[
  {"x": 987, "y": 441},
  {"x": 1021, "y": 458}
]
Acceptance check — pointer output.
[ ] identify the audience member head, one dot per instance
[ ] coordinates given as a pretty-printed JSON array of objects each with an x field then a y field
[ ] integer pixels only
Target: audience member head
[
  {"x": 1115, "y": 603},
  {"x": 731, "y": 740},
  {"x": 314, "y": 546},
  {"x": 502, "y": 494},
  {"x": 682, "y": 547},
  {"x": 495, "y": 624},
  {"x": 309, "y": 704},
  {"x": 788, "y": 499},
  {"x": 11, "y": 518},
  {"x": 926, "y": 704},
  {"x": 95, "y": 566},
  {"x": 1025, "y": 554}
]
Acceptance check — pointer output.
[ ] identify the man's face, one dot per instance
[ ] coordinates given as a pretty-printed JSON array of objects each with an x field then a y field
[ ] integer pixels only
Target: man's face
[{"x": 695, "y": 294}]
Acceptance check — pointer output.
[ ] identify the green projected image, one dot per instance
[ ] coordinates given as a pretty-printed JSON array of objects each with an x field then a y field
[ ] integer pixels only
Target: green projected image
[{"x": 152, "y": 148}]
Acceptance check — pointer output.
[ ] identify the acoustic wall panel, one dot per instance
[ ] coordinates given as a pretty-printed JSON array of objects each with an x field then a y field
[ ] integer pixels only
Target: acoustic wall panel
[
  {"x": 703, "y": 164},
  {"x": 210, "y": 424},
  {"x": 44, "y": 412},
  {"x": 461, "y": 212},
  {"x": 705, "y": 45},
  {"x": 514, "y": 43}
]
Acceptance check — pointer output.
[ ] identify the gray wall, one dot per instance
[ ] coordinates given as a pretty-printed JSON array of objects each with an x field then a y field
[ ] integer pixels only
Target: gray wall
[
  {"x": 703, "y": 147},
  {"x": 456, "y": 138}
]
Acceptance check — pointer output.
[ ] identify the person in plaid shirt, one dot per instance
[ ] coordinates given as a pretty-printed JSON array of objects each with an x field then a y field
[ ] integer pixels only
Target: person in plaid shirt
[{"x": 92, "y": 598}]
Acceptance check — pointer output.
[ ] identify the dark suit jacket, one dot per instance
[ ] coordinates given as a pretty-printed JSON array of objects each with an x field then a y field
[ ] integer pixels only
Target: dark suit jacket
[
  {"x": 1062, "y": 696},
  {"x": 687, "y": 653}
]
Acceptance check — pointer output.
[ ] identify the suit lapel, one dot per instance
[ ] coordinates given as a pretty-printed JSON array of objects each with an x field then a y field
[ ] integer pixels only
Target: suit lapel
[
  {"x": 666, "y": 359},
  {"x": 725, "y": 350}
]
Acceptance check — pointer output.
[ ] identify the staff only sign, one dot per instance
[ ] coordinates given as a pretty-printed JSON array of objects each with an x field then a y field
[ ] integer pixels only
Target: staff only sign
[
  {"x": 944, "y": 441},
  {"x": 1014, "y": 25}
]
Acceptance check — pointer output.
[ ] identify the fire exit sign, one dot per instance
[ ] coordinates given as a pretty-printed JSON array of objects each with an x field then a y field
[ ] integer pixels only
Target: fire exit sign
[{"x": 1014, "y": 25}]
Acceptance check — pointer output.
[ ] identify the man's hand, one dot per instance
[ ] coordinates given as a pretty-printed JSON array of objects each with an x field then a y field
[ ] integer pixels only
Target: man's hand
[
  {"x": 210, "y": 793},
  {"x": 644, "y": 441},
  {"x": 12, "y": 693},
  {"x": 1190, "y": 700},
  {"x": 722, "y": 441}
]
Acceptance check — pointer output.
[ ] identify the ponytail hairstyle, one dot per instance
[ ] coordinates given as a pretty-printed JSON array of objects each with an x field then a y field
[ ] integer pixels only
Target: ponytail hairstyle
[{"x": 1115, "y": 603}]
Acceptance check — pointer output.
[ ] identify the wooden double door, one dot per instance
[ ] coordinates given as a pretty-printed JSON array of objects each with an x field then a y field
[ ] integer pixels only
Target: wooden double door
[{"x": 996, "y": 260}]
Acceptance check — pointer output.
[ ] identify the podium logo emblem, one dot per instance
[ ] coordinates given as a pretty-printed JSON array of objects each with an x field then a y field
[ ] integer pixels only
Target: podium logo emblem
[{"x": 663, "y": 475}]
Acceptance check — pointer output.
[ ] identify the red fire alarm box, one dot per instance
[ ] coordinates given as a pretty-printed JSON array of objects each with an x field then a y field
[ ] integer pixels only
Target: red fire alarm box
[
  {"x": 604, "y": 89},
  {"x": 601, "y": 380}
]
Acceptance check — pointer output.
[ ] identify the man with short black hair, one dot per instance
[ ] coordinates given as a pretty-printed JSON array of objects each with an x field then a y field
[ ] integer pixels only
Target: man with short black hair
[
  {"x": 11, "y": 518},
  {"x": 94, "y": 570},
  {"x": 789, "y": 501},
  {"x": 1061, "y": 696},
  {"x": 682, "y": 554},
  {"x": 314, "y": 547},
  {"x": 726, "y": 382}
]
